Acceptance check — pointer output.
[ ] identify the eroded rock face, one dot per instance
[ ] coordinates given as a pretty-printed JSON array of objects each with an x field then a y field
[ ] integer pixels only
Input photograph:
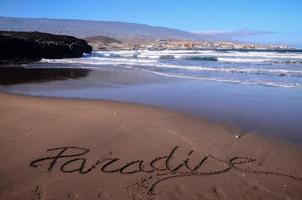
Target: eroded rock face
[{"x": 25, "y": 47}]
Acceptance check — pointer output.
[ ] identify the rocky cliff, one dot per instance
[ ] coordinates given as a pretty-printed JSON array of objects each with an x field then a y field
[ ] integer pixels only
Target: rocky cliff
[
  {"x": 24, "y": 47},
  {"x": 102, "y": 42}
]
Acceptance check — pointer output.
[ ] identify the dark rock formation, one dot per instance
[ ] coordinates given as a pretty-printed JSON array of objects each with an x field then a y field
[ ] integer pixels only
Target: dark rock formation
[{"x": 24, "y": 47}]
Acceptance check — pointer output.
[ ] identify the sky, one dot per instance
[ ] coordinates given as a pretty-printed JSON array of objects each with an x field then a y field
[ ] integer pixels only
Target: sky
[{"x": 262, "y": 21}]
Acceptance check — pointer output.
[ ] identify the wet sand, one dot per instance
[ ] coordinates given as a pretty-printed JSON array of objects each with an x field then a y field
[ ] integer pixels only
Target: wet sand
[
  {"x": 271, "y": 111},
  {"x": 85, "y": 149}
]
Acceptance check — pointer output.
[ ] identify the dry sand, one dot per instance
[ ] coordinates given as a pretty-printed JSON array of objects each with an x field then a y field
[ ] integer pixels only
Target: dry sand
[{"x": 80, "y": 149}]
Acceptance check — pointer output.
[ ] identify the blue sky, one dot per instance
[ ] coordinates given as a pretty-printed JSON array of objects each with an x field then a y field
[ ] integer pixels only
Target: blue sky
[{"x": 268, "y": 21}]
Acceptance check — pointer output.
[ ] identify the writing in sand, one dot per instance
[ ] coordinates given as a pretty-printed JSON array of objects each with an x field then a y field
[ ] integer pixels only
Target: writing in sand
[{"x": 154, "y": 171}]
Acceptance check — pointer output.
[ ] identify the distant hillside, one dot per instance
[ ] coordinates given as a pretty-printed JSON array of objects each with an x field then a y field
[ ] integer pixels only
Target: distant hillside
[
  {"x": 84, "y": 28},
  {"x": 102, "y": 39}
]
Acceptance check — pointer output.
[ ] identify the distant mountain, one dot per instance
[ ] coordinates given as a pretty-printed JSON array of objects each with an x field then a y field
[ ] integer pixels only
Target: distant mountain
[{"x": 85, "y": 28}]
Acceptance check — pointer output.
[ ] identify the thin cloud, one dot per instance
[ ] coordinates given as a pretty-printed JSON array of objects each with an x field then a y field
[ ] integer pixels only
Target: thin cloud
[{"x": 233, "y": 34}]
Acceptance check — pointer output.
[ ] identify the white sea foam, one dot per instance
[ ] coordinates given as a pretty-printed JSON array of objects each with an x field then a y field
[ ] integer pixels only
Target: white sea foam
[
  {"x": 151, "y": 63},
  {"x": 187, "y": 53},
  {"x": 265, "y": 83},
  {"x": 244, "y": 60}
]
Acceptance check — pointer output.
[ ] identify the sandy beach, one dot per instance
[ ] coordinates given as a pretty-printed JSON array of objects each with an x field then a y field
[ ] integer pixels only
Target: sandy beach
[
  {"x": 150, "y": 100},
  {"x": 92, "y": 149}
]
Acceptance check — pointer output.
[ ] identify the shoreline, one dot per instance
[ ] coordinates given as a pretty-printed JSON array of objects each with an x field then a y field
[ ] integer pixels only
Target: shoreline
[
  {"x": 245, "y": 107},
  {"x": 92, "y": 133},
  {"x": 231, "y": 128}
]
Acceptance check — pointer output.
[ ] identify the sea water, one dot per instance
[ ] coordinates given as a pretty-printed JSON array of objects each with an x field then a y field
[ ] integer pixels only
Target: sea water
[{"x": 268, "y": 68}]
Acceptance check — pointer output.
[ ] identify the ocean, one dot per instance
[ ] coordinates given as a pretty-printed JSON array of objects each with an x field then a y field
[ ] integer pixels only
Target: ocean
[{"x": 267, "y": 68}]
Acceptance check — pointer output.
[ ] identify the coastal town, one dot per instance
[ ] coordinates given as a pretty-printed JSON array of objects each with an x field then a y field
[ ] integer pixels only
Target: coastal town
[{"x": 137, "y": 44}]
